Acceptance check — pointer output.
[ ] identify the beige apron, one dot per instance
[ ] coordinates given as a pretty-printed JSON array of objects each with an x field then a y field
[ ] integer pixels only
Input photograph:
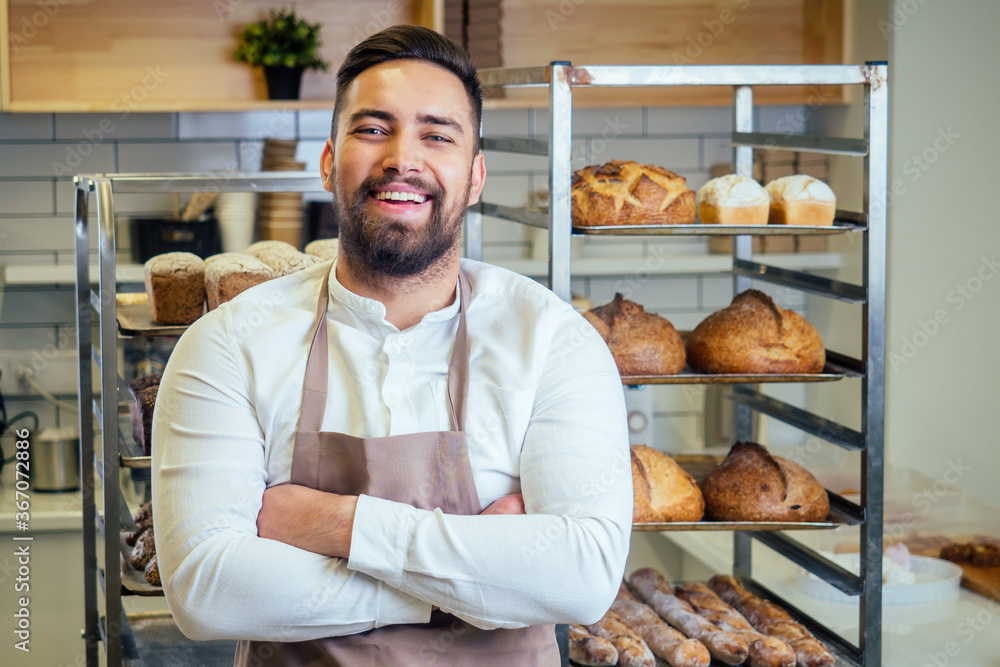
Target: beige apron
[{"x": 426, "y": 470}]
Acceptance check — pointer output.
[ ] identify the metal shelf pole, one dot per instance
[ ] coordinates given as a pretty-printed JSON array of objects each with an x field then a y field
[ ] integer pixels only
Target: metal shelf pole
[{"x": 560, "y": 176}]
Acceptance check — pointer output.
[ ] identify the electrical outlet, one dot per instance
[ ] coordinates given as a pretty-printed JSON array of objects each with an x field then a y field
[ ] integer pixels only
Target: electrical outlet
[{"x": 639, "y": 405}]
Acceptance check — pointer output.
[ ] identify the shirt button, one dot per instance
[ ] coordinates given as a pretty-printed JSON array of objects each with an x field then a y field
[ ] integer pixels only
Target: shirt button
[{"x": 372, "y": 308}]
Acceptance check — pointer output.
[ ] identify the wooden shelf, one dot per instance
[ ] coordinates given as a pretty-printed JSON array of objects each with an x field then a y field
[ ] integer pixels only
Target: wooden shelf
[{"x": 119, "y": 57}]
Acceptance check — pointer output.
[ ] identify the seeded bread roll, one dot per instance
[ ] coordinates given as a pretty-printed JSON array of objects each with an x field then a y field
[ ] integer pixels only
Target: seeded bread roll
[
  {"x": 662, "y": 490},
  {"x": 753, "y": 335},
  {"x": 753, "y": 485},
  {"x": 229, "y": 274},
  {"x": 143, "y": 390},
  {"x": 642, "y": 343},
  {"x": 733, "y": 200},
  {"x": 175, "y": 285},
  {"x": 325, "y": 249},
  {"x": 283, "y": 258},
  {"x": 800, "y": 200},
  {"x": 628, "y": 193}
]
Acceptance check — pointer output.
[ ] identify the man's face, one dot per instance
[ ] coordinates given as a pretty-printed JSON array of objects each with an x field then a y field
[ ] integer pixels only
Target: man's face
[{"x": 401, "y": 166}]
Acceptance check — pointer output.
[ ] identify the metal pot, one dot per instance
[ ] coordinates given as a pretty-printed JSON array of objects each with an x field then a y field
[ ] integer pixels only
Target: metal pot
[{"x": 55, "y": 459}]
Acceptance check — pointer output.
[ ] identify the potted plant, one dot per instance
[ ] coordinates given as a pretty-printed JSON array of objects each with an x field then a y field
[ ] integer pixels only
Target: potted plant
[{"x": 284, "y": 45}]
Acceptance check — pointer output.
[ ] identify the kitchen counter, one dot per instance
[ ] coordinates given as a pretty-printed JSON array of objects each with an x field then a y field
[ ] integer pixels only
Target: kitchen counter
[{"x": 49, "y": 511}]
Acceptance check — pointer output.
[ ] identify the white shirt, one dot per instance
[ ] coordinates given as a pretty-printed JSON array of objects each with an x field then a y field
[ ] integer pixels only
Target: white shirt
[{"x": 546, "y": 417}]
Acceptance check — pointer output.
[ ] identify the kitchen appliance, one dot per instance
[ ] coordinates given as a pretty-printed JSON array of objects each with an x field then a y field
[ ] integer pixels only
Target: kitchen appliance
[{"x": 55, "y": 459}]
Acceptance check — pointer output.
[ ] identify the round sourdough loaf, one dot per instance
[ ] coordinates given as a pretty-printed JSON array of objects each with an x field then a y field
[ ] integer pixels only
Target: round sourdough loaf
[
  {"x": 662, "y": 490},
  {"x": 629, "y": 193},
  {"x": 753, "y": 335},
  {"x": 642, "y": 343},
  {"x": 752, "y": 485},
  {"x": 733, "y": 200}
]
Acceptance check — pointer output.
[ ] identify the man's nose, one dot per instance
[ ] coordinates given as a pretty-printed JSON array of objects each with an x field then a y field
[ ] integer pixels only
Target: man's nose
[{"x": 403, "y": 154}]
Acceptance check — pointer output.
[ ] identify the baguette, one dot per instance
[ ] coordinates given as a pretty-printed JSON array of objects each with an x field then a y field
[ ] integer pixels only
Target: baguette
[
  {"x": 632, "y": 651},
  {"x": 656, "y": 592},
  {"x": 771, "y": 619},
  {"x": 765, "y": 651},
  {"x": 663, "y": 640},
  {"x": 586, "y": 649}
]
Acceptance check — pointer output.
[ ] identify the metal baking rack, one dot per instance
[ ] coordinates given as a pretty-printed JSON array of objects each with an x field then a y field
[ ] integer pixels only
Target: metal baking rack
[
  {"x": 105, "y": 522},
  {"x": 560, "y": 78}
]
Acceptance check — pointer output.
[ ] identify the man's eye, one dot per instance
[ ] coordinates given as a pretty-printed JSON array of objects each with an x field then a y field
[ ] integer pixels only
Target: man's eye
[
  {"x": 369, "y": 130},
  {"x": 438, "y": 137}
]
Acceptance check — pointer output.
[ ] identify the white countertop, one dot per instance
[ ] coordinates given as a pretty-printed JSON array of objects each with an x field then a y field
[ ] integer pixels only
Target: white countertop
[{"x": 49, "y": 511}]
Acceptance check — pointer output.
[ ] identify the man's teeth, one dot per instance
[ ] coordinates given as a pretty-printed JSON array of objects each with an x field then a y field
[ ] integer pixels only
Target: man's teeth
[{"x": 401, "y": 196}]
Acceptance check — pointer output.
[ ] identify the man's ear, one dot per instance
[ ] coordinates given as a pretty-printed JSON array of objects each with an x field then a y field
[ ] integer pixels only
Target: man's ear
[
  {"x": 326, "y": 165},
  {"x": 478, "y": 178}
]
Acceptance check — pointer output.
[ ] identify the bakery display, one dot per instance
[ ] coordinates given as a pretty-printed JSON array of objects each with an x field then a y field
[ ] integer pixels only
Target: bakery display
[
  {"x": 733, "y": 200},
  {"x": 143, "y": 543},
  {"x": 282, "y": 257},
  {"x": 175, "y": 285},
  {"x": 642, "y": 343},
  {"x": 632, "y": 650},
  {"x": 752, "y": 485},
  {"x": 664, "y": 641},
  {"x": 325, "y": 249},
  {"x": 651, "y": 587},
  {"x": 662, "y": 490},
  {"x": 586, "y": 649},
  {"x": 229, "y": 274},
  {"x": 771, "y": 619},
  {"x": 800, "y": 200},
  {"x": 764, "y": 650},
  {"x": 143, "y": 391},
  {"x": 754, "y": 335},
  {"x": 628, "y": 193}
]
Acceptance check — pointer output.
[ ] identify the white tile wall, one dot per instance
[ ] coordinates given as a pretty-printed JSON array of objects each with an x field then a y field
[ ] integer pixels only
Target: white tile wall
[
  {"x": 93, "y": 126},
  {"x": 673, "y": 154},
  {"x": 19, "y": 305},
  {"x": 688, "y": 120},
  {"x": 273, "y": 124},
  {"x": 35, "y": 233},
  {"x": 25, "y": 126},
  {"x": 506, "y": 123},
  {"x": 151, "y": 158},
  {"x": 47, "y": 160},
  {"x": 20, "y": 197}
]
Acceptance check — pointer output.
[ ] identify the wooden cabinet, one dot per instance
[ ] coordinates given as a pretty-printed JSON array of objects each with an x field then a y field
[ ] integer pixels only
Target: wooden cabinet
[{"x": 124, "y": 56}]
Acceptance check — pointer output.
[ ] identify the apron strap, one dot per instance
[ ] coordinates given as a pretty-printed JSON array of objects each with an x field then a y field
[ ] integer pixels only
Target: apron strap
[{"x": 317, "y": 364}]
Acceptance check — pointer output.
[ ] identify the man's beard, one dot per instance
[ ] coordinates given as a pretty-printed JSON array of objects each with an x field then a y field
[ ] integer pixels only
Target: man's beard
[{"x": 383, "y": 248}]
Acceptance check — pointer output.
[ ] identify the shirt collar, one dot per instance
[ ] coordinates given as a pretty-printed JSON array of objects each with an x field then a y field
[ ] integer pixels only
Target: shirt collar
[{"x": 374, "y": 310}]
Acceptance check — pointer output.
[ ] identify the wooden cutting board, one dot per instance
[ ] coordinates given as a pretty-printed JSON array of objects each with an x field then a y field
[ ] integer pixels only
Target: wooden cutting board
[{"x": 982, "y": 580}]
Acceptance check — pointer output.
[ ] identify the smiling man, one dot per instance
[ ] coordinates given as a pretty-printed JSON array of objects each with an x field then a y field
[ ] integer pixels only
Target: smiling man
[{"x": 320, "y": 478}]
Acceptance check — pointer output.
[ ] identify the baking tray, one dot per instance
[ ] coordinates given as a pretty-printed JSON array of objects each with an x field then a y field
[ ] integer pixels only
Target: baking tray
[
  {"x": 698, "y": 466},
  {"x": 715, "y": 230},
  {"x": 134, "y": 320},
  {"x": 688, "y": 376},
  {"x": 133, "y": 581}
]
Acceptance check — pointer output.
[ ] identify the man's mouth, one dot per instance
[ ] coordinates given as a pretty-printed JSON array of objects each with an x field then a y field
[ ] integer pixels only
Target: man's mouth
[{"x": 402, "y": 197}]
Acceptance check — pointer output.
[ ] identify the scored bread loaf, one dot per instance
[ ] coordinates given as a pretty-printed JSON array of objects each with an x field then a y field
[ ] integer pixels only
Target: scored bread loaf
[
  {"x": 283, "y": 258},
  {"x": 801, "y": 200},
  {"x": 144, "y": 390},
  {"x": 753, "y": 485},
  {"x": 229, "y": 274},
  {"x": 628, "y": 193},
  {"x": 642, "y": 343},
  {"x": 662, "y": 490},
  {"x": 175, "y": 285},
  {"x": 586, "y": 649},
  {"x": 325, "y": 249},
  {"x": 753, "y": 335},
  {"x": 733, "y": 200}
]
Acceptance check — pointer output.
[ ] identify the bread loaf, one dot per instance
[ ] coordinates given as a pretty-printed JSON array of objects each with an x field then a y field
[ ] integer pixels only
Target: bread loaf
[
  {"x": 229, "y": 274},
  {"x": 586, "y": 649},
  {"x": 733, "y": 200},
  {"x": 662, "y": 490},
  {"x": 325, "y": 249},
  {"x": 143, "y": 391},
  {"x": 642, "y": 343},
  {"x": 663, "y": 640},
  {"x": 632, "y": 650},
  {"x": 628, "y": 193},
  {"x": 152, "y": 572},
  {"x": 175, "y": 285},
  {"x": 753, "y": 335},
  {"x": 800, "y": 200},
  {"x": 283, "y": 258},
  {"x": 771, "y": 619},
  {"x": 752, "y": 485},
  {"x": 144, "y": 550}
]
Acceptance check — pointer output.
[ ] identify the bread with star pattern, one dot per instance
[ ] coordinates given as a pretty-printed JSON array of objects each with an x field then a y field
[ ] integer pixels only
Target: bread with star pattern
[{"x": 628, "y": 193}]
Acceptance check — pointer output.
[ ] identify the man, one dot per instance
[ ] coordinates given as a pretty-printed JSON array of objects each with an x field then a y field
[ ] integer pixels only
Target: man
[{"x": 325, "y": 443}]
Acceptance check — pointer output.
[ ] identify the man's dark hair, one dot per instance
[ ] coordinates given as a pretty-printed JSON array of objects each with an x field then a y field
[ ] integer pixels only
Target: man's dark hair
[{"x": 408, "y": 42}]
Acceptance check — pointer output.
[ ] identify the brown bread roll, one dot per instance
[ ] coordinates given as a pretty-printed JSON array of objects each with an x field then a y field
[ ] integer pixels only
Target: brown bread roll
[
  {"x": 175, "y": 285},
  {"x": 629, "y": 193},
  {"x": 144, "y": 550},
  {"x": 152, "y": 572},
  {"x": 642, "y": 343},
  {"x": 772, "y": 620},
  {"x": 229, "y": 274},
  {"x": 752, "y": 485},
  {"x": 753, "y": 335},
  {"x": 662, "y": 490}
]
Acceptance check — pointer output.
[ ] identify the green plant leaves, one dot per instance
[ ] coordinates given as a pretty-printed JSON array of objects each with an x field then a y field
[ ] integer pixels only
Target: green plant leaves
[{"x": 281, "y": 39}]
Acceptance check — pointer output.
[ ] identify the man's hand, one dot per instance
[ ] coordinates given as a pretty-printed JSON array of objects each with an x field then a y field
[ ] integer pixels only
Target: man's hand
[
  {"x": 308, "y": 519},
  {"x": 512, "y": 504}
]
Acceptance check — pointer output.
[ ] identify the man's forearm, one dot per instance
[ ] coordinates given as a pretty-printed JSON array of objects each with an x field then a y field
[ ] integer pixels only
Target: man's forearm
[{"x": 312, "y": 520}]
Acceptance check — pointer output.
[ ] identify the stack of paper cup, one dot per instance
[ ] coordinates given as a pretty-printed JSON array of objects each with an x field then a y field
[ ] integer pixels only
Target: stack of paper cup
[
  {"x": 235, "y": 213},
  {"x": 280, "y": 213}
]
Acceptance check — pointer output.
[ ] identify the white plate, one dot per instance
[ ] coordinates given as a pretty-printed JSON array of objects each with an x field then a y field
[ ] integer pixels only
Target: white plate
[{"x": 936, "y": 580}]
